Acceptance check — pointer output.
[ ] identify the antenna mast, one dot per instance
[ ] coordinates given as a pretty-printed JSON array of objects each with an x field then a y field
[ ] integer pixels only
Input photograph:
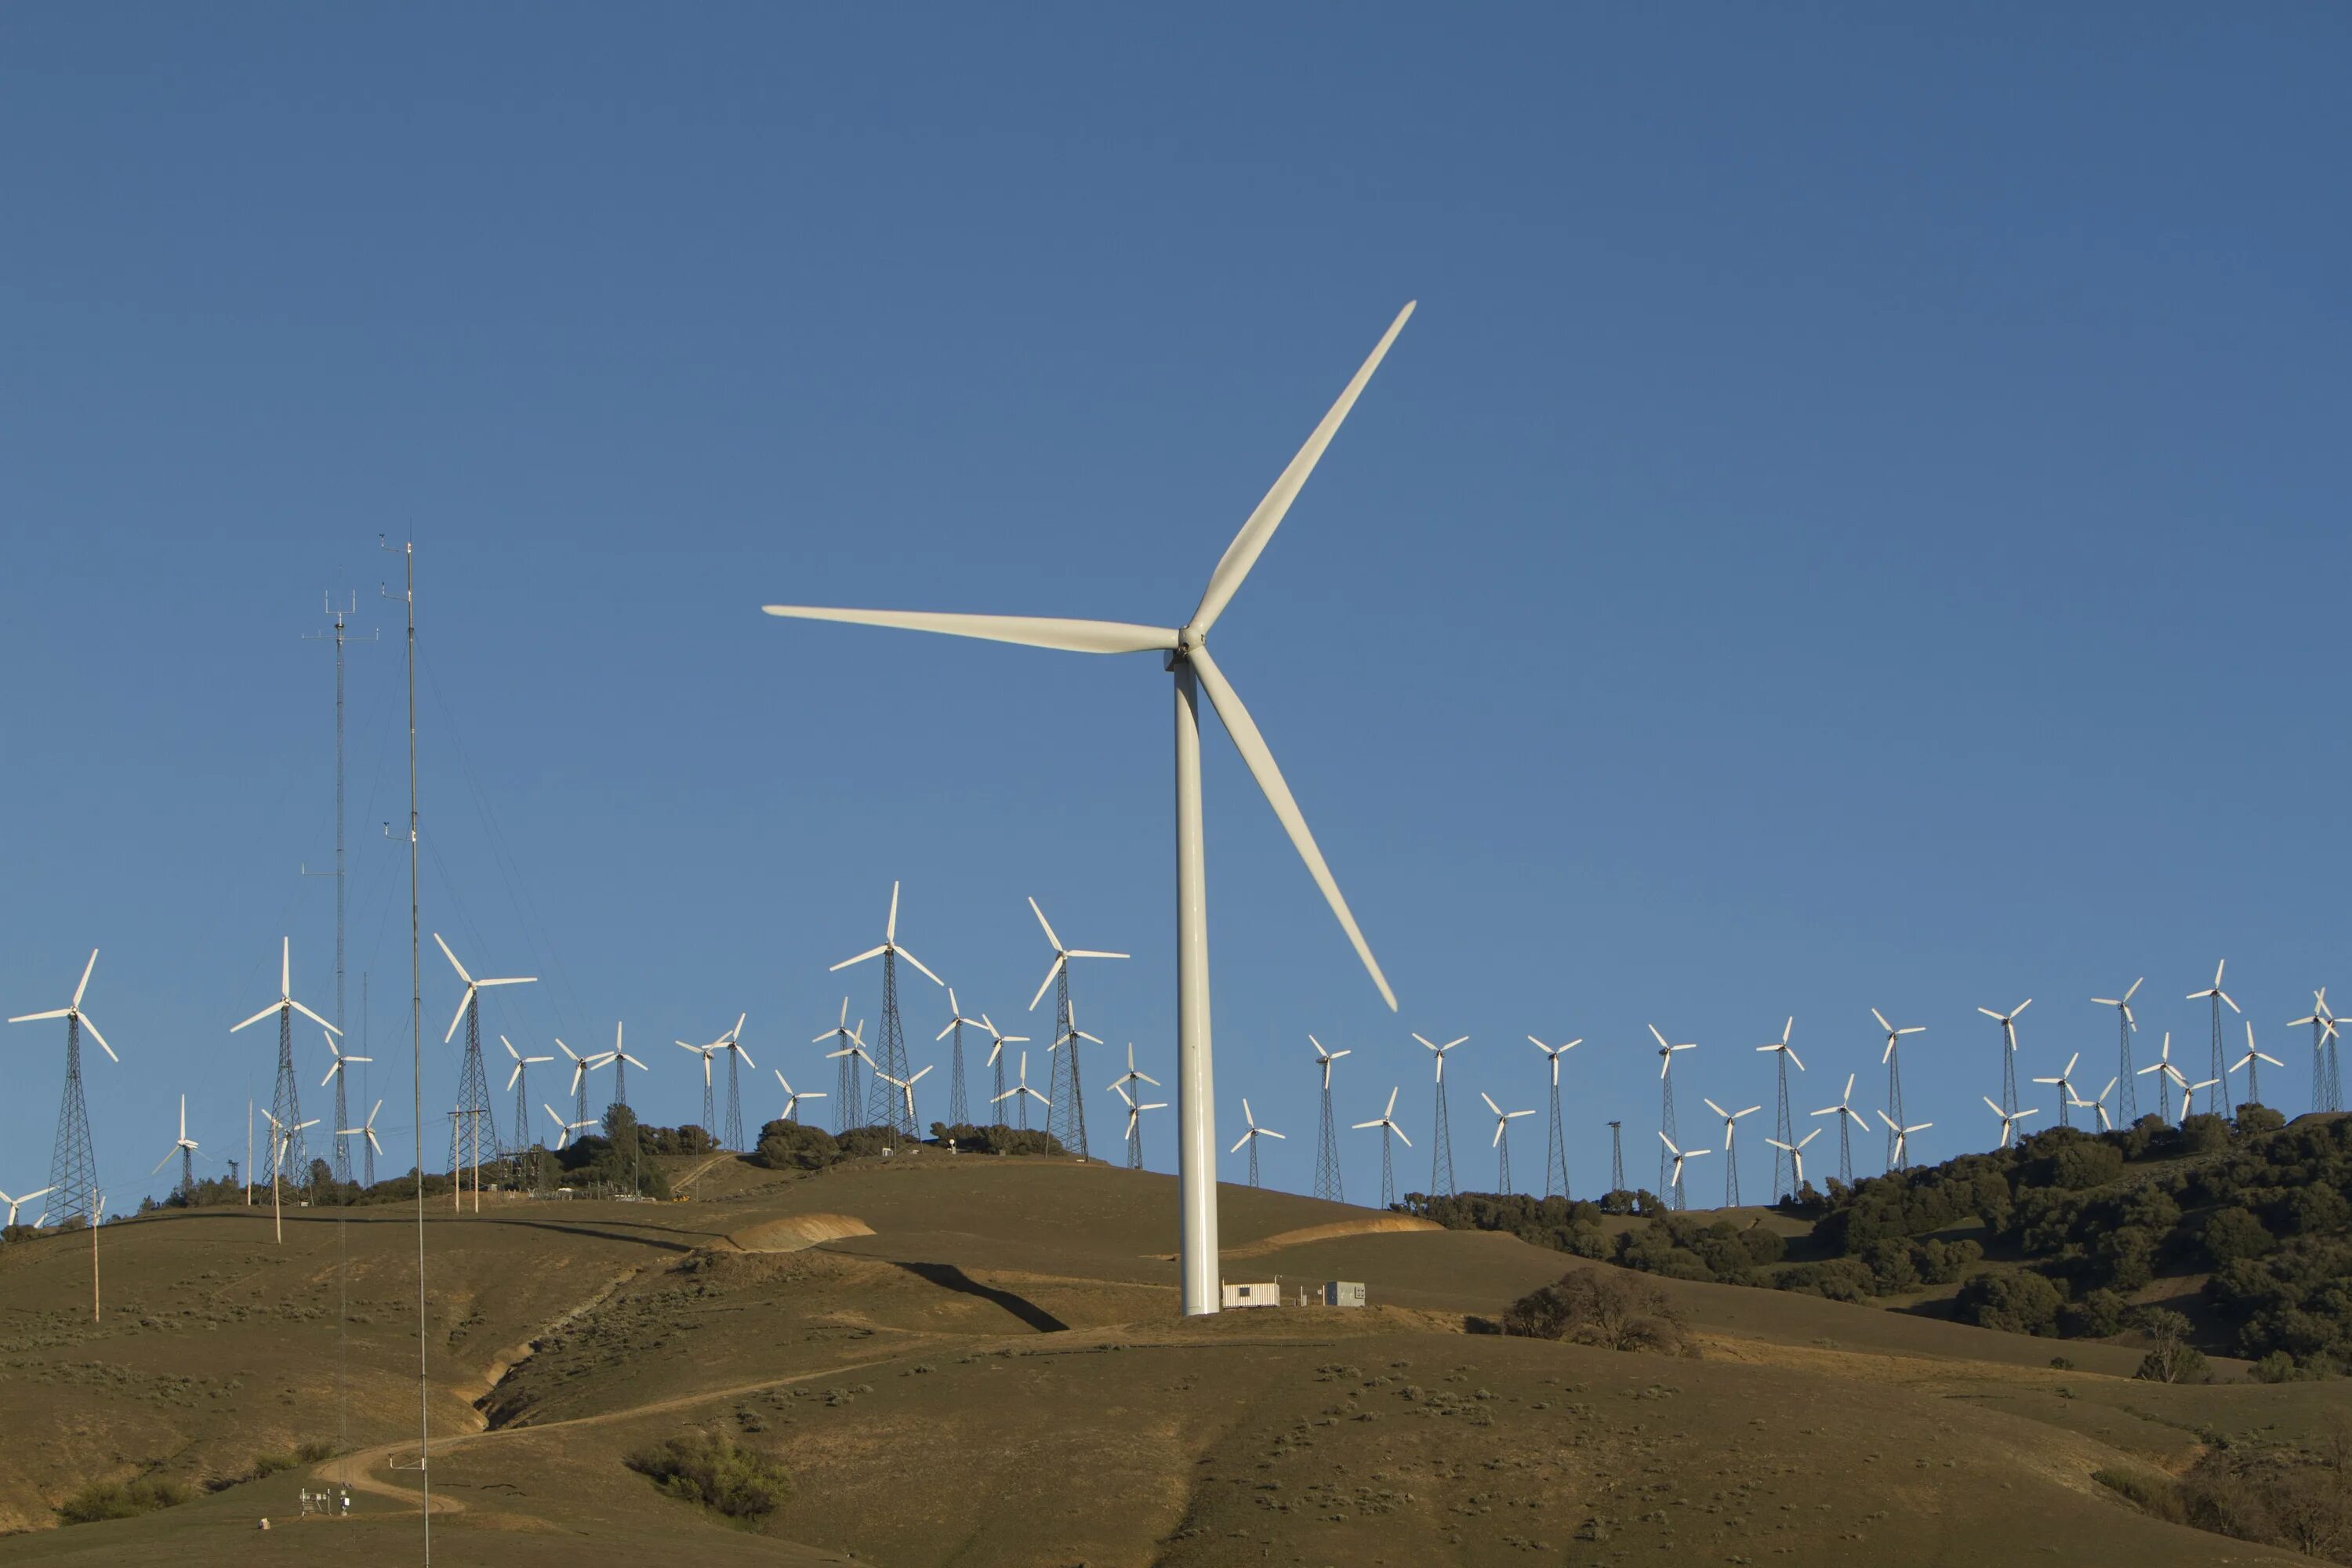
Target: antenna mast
[
  {"x": 407, "y": 553},
  {"x": 343, "y": 1155}
]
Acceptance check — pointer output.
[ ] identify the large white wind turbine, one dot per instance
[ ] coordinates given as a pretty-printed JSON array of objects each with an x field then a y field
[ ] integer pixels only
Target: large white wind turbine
[{"x": 1186, "y": 652}]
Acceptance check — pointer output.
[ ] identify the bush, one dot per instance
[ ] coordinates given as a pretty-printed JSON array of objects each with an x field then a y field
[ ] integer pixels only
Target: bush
[
  {"x": 120, "y": 1500},
  {"x": 2174, "y": 1359},
  {"x": 795, "y": 1146},
  {"x": 2094, "y": 1317},
  {"x": 2252, "y": 1118},
  {"x": 708, "y": 1468},
  {"x": 1601, "y": 1307},
  {"x": 2022, "y": 1302},
  {"x": 2086, "y": 1163},
  {"x": 2204, "y": 1134},
  {"x": 2232, "y": 1234}
]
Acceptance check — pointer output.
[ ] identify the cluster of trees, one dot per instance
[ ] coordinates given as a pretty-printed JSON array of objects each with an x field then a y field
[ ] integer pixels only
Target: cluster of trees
[
  {"x": 1601, "y": 1308},
  {"x": 2263, "y": 1210},
  {"x": 797, "y": 1146}
]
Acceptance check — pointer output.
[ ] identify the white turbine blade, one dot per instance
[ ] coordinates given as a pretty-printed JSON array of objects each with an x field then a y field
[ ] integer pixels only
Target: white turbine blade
[
  {"x": 502, "y": 1040},
  {"x": 1390, "y": 1111},
  {"x": 1361, "y": 1125},
  {"x": 1890, "y": 1122},
  {"x": 2273, "y": 1060},
  {"x": 1509, "y": 1115},
  {"x": 1490, "y": 1102},
  {"x": 1055, "y": 968},
  {"x": 1401, "y": 1136},
  {"x": 869, "y": 953},
  {"x": 1252, "y": 745},
  {"x": 305, "y": 1012},
  {"x": 943, "y": 1032},
  {"x": 1051, "y": 940},
  {"x": 452, "y": 962},
  {"x": 1497, "y": 1139},
  {"x": 2224, "y": 995},
  {"x": 1234, "y": 566},
  {"x": 63, "y": 1012},
  {"x": 635, "y": 1063},
  {"x": 510, "y": 979},
  {"x": 919, "y": 1076},
  {"x": 1030, "y": 631},
  {"x": 459, "y": 1016},
  {"x": 1091, "y": 952},
  {"x": 2021, "y": 1007},
  {"x": 512, "y": 1078},
  {"x": 1794, "y": 1057},
  {"x": 1660, "y": 1039},
  {"x": 233, "y": 1028},
  {"x": 1237, "y": 1143},
  {"x": 918, "y": 964},
  {"x": 1713, "y": 1106},
  {"x": 1994, "y": 1109},
  {"x": 92, "y": 1030}
]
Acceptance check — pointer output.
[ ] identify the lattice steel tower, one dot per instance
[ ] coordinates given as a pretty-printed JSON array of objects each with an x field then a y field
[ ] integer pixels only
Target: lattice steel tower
[
  {"x": 73, "y": 1164},
  {"x": 286, "y": 1102},
  {"x": 1784, "y": 1126},
  {"x": 1555, "y": 1139},
  {"x": 1616, "y": 1156},
  {"x": 1328, "y": 1183},
  {"x": 958, "y": 1107},
  {"x": 1893, "y": 1057},
  {"x": 2125, "y": 1074},
  {"x": 472, "y": 1114},
  {"x": 1669, "y": 1134},
  {"x": 1441, "y": 1152},
  {"x": 1066, "y": 1112},
  {"x": 885, "y": 1106},
  {"x": 2220, "y": 1074}
]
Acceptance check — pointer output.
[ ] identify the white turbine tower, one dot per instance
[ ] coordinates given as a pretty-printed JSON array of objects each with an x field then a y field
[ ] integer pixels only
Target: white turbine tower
[
  {"x": 1134, "y": 1125},
  {"x": 2126, "y": 1027},
  {"x": 1251, "y": 1138},
  {"x": 1891, "y": 1058},
  {"x": 1901, "y": 1156},
  {"x": 1188, "y": 661},
  {"x": 2221, "y": 1048},
  {"x": 1328, "y": 1183},
  {"x": 1019, "y": 1094},
  {"x": 1795, "y": 1152},
  {"x": 1674, "y": 1181},
  {"x": 1667, "y": 1130},
  {"x": 1848, "y": 1120},
  {"x": 1502, "y": 1143},
  {"x": 792, "y": 1096},
  {"x": 2251, "y": 1061},
  {"x": 1441, "y": 1149},
  {"x": 186, "y": 1150},
  {"x": 1068, "y": 1121},
  {"x": 1784, "y": 1124},
  {"x": 2166, "y": 1072},
  {"x": 2065, "y": 1084},
  {"x": 1386, "y": 1123},
  {"x": 2009, "y": 1120},
  {"x": 2007, "y": 1022},
  {"x": 1555, "y": 1139},
  {"x": 1730, "y": 1152}
]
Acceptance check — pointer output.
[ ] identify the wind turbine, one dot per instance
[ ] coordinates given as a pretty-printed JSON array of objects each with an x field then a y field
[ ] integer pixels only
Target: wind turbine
[
  {"x": 1068, "y": 1098},
  {"x": 997, "y": 1040},
  {"x": 1135, "y": 1125},
  {"x": 1667, "y": 1130},
  {"x": 186, "y": 1150},
  {"x": 1785, "y": 1126},
  {"x": 15, "y": 1204},
  {"x": 958, "y": 1109},
  {"x": 1251, "y": 1138},
  {"x": 737, "y": 1059},
  {"x": 709, "y": 1111},
  {"x": 1189, "y": 662},
  {"x": 1502, "y": 1143},
  {"x": 1675, "y": 1183},
  {"x": 2221, "y": 1050},
  {"x": 73, "y": 1162},
  {"x": 2327, "y": 1085},
  {"x": 2007, "y": 1022},
  {"x": 1021, "y": 1094},
  {"x": 1327, "y": 1183},
  {"x": 1795, "y": 1152},
  {"x": 1555, "y": 1139},
  {"x": 2065, "y": 1083},
  {"x": 1730, "y": 1152},
  {"x": 1892, "y": 1060},
  {"x": 367, "y": 1129},
  {"x": 521, "y": 1090},
  {"x": 566, "y": 1131},
  {"x": 1132, "y": 1075},
  {"x": 906, "y": 1086},
  {"x": 1899, "y": 1160},
  {"x": 2126, "y": 1027},
  {"x": 1441, "y": 1149},
  {"x": 846, "y": 1100},
  {"x": 1848, "y": 1118},
  {"x": 287, "y": 1106},
  {"x": 338, "y": 1077},
  {"x": 580, "y": 1069},
  {"x": 2163, "y": 1067},
  {"x": 621, "y": 1061},
  {"x": 793, "y": 1096},
  {"x": 892, "y": 1044},
  {"x": 1386, "y": 1123},
  {"x": 2189, "y": 1095},
  {"x": 473, "y": 1081},
  {"x": 2106, "y": 1123},
  {"x": 2008, "y": 1119},
  {"x": 281, "y": 1142},
  {"x": 2251, "y": 1061}
]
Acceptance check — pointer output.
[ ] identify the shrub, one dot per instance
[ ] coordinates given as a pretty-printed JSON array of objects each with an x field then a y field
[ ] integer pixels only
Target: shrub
[
  {"x": 120, "y": 1500},
  {"x": 1600, "y": 1307},
  {"x": 795, "y": 1146},
  {"x": 2086, "y": 1163},
  {"x": 2022, "y": 1302},
  {"x": 2252, "y": 1118},
  {"x": 2232, "y": 1234},
  {"x": 708, "y": 1468},
  {"x": 2174, "y": 1359},
  {"x": 2094, "y": 1316},
  {"x": 2204, "y": 1134}
]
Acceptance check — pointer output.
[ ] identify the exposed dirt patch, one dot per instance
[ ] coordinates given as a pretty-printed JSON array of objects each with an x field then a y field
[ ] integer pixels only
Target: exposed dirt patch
[{"x": 794, "y": 1232}]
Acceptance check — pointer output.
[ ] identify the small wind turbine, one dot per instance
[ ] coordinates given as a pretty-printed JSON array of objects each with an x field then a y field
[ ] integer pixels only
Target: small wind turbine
[
  {"x": 281, "y": 1141},
  {"x": 73, "y": 1164},
  {"x": 709, "y": 1107},
  {"x": 2189, "y": 1095},
  {"x": 1900, "y": 1158},
  {"x": 1386, "y": 1123},
  {"x": 1068, "y": 1083},
  {"x": 15, "y": 1204},
  {"x": 892, "y": 1041},
  {"x": 2106, "y": 1123},
  {"x": 848, "y": 1098},
  {"x": 1251, "y": 1138},
  {"x": 1891, "y": 1058},
  {"x": 2327, "y": 1085},
  {"x": 367, "y": 1129},
  {"x": 473, "y": 1079},
  {"x": 2008, "y": 1119},
  {"x": 738, "y": 1058},
  {"x": 2126, "y": 1027},
  {"x": 620, "y": 1061},
  {"x": 1784, "y": 1124},
  {"x": 997, "y": 1040},
  {"x": 1848, "y": 1118},
  {"x": 1132, "y": 1075},
  {"x": 1667, "y": 1130},
  {"x": 2007, "y": 1022},
  {"x": 520, "y": 1090},
  {"x": 1795, "y": 1152},
  {"x": 793, "y": 1096},
  {"x": 286, "y": 1102},
  {"x": 1441, "y": 1149},
  {"x": 580, "y": 1066},
  {"x": 1135, "y": 1126},
  {"x": 1555, "y": 1139},
  {"x": 2251, "y": 1061},
  {"x": 958, "y": 1108},
  {"x": 2065, "y": 1083},
  {"x": 906, "y": 1086},
  {"x": 565, "y": 1131},
  {"x": 1328, "y": 1181},
  {"x": 1502, "y": 1143},
  {"x": 1674, "y": 1182},
  {"x": 2166, "y": 1072},
  {"x": 341, "y": 1080},
  {"x": 186, "y": 1150},
  {"x": 2221, "y": 1050},
  {"x": 1021, "y": 1094},
  {"x": 1730, "y": 1152}
]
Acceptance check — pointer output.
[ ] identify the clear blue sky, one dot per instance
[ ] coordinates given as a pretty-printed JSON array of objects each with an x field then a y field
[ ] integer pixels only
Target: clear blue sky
[{"x": 1858, "y": 517}]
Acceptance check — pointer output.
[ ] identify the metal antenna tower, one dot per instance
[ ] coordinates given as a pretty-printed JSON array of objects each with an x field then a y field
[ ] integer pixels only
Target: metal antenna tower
[
  {"x": 2220, "y": 1074},
  {"x": 1784, "y": 1131},
  {"x": 339, "y": 637},
  {"x": 1441, "y": 1148},
  {"x": 1667, "y": 1130},
  {"x": 1616, "y": 1156},
  {"x": 1555, "y": 1139},
  {"x": 2126, "y": 1026},
  {"x": 1328, "y": 1183},
  {"x": 368, "y": 1155}
]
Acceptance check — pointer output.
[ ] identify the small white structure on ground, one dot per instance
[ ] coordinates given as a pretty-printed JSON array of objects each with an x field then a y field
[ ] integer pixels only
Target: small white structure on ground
[
  {"x": 1269, "y": 1294},
  {"x": 1344, "y": 1293}
]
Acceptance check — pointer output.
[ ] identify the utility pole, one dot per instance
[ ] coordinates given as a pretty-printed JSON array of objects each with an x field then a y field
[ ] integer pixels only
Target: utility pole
[
  {"x": 407, "y": 553},
  {"x": 342, "y": 1114}
]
